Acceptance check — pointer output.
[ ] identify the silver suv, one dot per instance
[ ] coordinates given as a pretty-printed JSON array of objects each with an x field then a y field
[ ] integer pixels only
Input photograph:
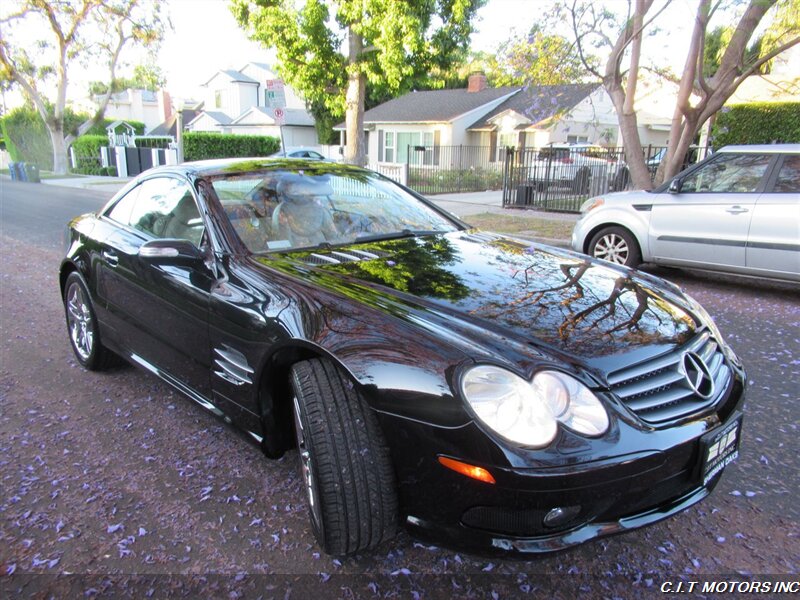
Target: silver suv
[{"x": 737, "y": 211}]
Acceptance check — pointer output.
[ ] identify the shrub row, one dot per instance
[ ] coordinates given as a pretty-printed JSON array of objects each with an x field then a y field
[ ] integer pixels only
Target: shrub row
[
  {"x": 757, "y": 123},
  {"x": 201, "y": 145},
  {"x": 27, "y": 139}
]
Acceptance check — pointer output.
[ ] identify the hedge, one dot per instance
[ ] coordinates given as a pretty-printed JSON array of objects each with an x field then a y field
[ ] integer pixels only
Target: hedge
[
  {"x": 27, "y": 139},
  {"x": 202, "y": 145},
  {"x": 757, "y": 123},
  {"x": 87, "y": 154}
]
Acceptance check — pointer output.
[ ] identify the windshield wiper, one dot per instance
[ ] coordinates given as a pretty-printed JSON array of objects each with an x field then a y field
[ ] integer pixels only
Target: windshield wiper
[{"x": 396, "y": 235}]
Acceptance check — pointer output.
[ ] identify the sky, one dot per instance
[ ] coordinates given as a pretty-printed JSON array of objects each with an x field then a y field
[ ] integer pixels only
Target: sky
[{"x": 206, "y": 39}]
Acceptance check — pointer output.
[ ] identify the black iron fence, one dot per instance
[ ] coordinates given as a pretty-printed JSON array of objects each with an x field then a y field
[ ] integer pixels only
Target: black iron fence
[
  {"x": 561, "y": 178},
  {"x": 454, "y": 169}
]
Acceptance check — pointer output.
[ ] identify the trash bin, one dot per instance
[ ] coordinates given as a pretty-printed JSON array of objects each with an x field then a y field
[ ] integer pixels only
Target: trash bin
[
  {"x": 32, "y": 173},
  {"x": 22, "y": 175},
  {"x": 525, "y": 194},
  {"x": 12, "y": 170}
]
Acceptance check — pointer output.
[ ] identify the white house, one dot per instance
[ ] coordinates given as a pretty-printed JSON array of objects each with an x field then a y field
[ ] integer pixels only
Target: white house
[
  {"x": 245, "y": 101},
  {"x": 294, "y": 124},
  {"x": 151, "y": 108}
]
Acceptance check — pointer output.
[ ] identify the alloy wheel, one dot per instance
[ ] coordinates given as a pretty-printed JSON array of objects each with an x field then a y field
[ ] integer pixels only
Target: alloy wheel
[
  {"x": 306, "y": 466},
  {"x": 79, "y": 318},
  {"x": 613, "y": 248}
]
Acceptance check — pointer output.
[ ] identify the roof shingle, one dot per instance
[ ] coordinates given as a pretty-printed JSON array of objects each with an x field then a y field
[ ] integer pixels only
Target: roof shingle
[
  {"x": 540, "y": 102},
  {"x": 439, "y": 106}
]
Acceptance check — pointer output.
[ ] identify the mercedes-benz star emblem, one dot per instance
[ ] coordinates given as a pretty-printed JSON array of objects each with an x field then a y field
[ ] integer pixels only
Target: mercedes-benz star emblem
[{"x": 697, "y": 375}]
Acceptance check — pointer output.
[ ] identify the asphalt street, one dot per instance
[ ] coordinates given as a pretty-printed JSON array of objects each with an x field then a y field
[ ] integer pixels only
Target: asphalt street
[{"x": 116, "y": 478}]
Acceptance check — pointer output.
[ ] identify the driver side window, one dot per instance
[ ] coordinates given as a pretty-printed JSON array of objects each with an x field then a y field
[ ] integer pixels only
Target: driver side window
[
  {"x": 162, "y": 207},
  {"x": 728, "y": 173}
]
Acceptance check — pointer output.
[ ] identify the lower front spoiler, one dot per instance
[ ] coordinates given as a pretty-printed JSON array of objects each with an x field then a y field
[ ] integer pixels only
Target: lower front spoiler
[{"x": 483, "y": 542}]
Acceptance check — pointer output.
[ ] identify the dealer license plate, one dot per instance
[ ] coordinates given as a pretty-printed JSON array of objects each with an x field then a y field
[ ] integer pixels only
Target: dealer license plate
[{"x": 720, "y": 448}]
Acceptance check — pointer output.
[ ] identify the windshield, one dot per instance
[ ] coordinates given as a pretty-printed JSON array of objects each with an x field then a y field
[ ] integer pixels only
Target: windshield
[{"x": 300, "y": 208}]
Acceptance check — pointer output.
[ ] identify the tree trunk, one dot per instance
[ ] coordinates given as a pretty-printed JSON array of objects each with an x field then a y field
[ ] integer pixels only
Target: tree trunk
[
  {"x": 60, "y": 160},
  {"x": 354, "y": 102}
]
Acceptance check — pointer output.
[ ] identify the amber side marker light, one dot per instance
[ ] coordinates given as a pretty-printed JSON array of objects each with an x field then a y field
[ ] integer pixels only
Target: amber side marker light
[{"x": 471, "y": 471}]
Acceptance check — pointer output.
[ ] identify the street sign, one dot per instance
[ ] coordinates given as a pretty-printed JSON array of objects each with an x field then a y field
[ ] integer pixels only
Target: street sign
[{"x": 279, "y": 116}]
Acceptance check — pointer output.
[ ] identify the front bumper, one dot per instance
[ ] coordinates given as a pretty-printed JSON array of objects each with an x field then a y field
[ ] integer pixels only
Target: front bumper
[
  {"x": 658, "y": 475},
  {"x": 484, "y": 542}
]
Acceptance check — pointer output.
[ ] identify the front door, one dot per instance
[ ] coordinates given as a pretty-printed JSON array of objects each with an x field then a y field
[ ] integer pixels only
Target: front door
[{"x": 158, "y": 310}]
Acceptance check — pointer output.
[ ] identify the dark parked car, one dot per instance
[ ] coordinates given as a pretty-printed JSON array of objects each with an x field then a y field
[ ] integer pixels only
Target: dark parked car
[{"x": 491, "y": 393}]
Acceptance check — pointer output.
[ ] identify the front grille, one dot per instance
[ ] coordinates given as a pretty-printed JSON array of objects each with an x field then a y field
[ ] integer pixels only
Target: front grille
[{"x": 657, "y": 390}]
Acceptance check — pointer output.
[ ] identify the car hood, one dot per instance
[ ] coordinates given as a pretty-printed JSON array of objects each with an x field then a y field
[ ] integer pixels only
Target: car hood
[{"x": 472, "y": 281}]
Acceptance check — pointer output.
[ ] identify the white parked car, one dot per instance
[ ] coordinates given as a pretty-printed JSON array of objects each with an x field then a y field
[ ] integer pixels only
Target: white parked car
[
  {"x": 737, "y": 211},
  {"x": 572, "y": 165}
]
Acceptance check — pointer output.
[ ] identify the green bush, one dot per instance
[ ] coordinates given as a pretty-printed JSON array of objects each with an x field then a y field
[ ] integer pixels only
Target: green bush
[
  {"x": 26, "y": 137},
  {"x": 757, "y": 123},
  {"x": 431, "y": 180},
  {"x": 202, "y": 145},
  {"x": 153, "y": 142},
  {"x": 28, "y": 140},
  {"x": 87, "y": 154}
]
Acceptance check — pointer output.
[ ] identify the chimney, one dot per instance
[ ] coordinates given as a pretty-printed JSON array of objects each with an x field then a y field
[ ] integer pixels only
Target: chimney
[
  {"x": 164, "y": 105},
  {"x": 477, "y": 82}
]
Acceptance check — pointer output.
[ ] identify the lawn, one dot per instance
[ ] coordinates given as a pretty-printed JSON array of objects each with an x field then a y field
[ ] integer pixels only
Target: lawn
[{"x": 530, "y": 226}]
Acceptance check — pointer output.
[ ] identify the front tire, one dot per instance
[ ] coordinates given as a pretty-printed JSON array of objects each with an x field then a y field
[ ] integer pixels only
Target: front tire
[
  {"x": 84, "y": 333},
  {"x": 344, "y": 463},
  {"x": 617, "y": 245}
]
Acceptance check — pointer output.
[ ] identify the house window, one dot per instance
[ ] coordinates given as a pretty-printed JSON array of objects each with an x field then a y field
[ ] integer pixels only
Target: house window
[
  {"x": 577, "y": 139},
  {"x": 388, "y": 146},
  {"x": 412, "y": 147},
  {"x": 219, "y": 99}
]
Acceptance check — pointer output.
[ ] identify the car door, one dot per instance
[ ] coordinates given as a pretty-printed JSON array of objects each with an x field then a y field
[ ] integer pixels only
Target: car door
[
  {"x": 773, "y": 244},
  {"x": 706, "y": 223},
  {"x": 158, "y": 309}
]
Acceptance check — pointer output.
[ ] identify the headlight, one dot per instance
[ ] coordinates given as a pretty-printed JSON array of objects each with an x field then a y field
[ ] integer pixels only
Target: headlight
[
  {"x": 591, "y": 204},
  {"x": 528, "y": 412}
]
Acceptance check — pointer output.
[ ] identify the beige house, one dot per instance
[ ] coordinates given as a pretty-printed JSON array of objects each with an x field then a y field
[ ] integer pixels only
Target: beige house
[{"x": 417, "y": 127}]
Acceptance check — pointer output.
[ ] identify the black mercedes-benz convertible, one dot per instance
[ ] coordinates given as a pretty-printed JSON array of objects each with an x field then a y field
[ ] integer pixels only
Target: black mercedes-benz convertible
[{"x": 488, "y": 392}]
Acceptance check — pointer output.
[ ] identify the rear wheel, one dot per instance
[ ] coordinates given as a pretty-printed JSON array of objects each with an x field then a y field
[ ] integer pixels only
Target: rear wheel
[
  {"x": 616, "y": 245},
  {"x": 84, "y": 334},
  {"x": 344, "y": 463}
]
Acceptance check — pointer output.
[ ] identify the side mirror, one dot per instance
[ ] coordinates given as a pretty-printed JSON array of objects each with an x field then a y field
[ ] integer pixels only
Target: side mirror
[
  {"x": 675, "y": 186},
  {"x": 170, "y": 251}
]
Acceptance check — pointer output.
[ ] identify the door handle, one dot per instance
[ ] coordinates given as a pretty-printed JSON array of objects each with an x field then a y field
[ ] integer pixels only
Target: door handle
[
  {"x": 111, "y": 257},
  {"x": 735, "y": 210}
]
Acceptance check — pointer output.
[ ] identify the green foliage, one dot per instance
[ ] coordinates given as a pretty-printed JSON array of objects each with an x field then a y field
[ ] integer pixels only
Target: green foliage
[
  {"x": 435, "y": 181},
  {"x": 406, "y": 45},
  {"x": 536, "y": 59},
  {"x": 145, "y": 77},
  {"x": 87, "y": 154},
  {"x": 201, "y": 145},
  {"x": 26, "y": 137},
  {"x": 758, "y": 123},
  {"x": 153, "y": 142}
]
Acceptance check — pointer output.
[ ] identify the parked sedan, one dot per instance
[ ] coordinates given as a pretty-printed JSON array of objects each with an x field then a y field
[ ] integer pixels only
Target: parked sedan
[
  {"x": 299, "y": 153},
  {"x": 488, "y": 392},
  {"x": 737, "y": 211}
]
